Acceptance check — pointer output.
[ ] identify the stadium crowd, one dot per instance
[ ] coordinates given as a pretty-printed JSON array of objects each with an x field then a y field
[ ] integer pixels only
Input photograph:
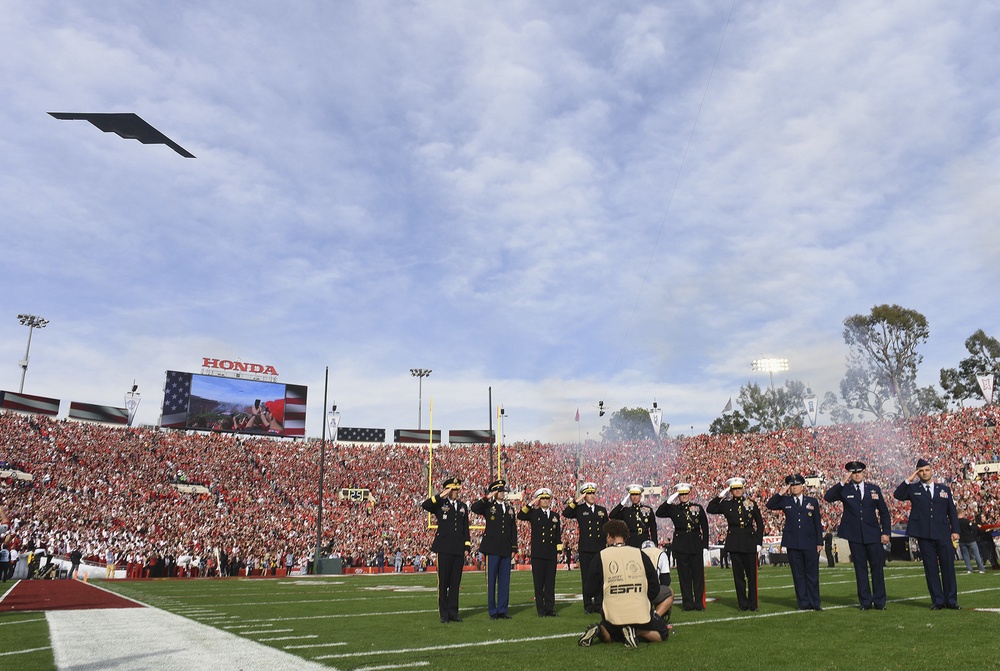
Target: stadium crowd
[{"x": 114, "y": 492}]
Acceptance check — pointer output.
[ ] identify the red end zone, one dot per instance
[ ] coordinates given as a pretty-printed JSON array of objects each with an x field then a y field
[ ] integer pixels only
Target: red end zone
[{"x": 60, "y": 595}]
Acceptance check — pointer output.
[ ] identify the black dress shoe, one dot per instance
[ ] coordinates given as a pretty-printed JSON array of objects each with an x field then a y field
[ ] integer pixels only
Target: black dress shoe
[
  {"x": 936, "y": 607},
  {"x": 455, "y": 619},
  {"x": 444, "y": 620},
  {"x": 503, "y": 616},
  {"x": 551, "y": 614},
  {"x": 755, "y": 609},
  {"x": 882, "y": 607},
  {"x": 865, "y": 607},
  {"x": 742, "y": 608},
  {"x": 494, "y": 617},
  {"x": 816, "y": 608},
  {"x": 953, "y": 606}
]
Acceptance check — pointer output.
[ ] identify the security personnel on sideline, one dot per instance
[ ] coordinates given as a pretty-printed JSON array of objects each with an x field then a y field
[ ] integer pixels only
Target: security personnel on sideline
[
  {"x": 865, "y": 525},
  {"x": 743, "y": 538},
  {"x": 590, "y": 519},
  {"x": 630, "y": 584},
  {"x": 802, "y": 538},
  {"x": 690, "y": 543},
  {"x": 934, "y": 523},
  {"x": 639, "y": 518},
  {"x": 451, "y": 542},
  {"x": 498, "y": 544},
  {"x": 546, "y": 545}
]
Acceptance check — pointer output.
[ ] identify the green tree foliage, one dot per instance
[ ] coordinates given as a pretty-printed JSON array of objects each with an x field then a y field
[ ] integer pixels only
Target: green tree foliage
[
  {"x": 882, "y": 362},
  {"x": 630, "y": 424},
  {"x": 838, "y": 413},
  {"x": 762, "y": 409},
  {"x": 960, "y": 383},
  {"x": 729, "y": 423}
]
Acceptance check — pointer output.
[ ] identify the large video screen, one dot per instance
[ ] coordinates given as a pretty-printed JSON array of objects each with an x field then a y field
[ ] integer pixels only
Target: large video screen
[{"x": 233, "y": 405}]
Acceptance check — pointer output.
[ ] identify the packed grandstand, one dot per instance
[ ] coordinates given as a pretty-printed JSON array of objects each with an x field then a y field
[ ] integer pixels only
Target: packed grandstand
[{"x": 99, "y": 489}]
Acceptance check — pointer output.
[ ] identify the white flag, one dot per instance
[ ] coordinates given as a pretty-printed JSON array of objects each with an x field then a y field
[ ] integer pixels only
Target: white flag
[
  {"x": 729, "y": 406},
  {"x": 656, "y": 416},
  {"x": 986, "y": 384},
  {"x": 132, "y": 400},
  {"x": 333, "y": 419}
]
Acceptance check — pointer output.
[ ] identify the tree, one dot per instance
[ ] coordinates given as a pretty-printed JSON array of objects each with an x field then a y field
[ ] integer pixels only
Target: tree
[
  {"x": 883, "y": 359},
  {"x": 729, "y": 423},
  {"x": 838, "y": 413},
  {"x": 960, "y": 384},
  {"x": 630, "y": 424},
  {"x": 764, "y": 409}
]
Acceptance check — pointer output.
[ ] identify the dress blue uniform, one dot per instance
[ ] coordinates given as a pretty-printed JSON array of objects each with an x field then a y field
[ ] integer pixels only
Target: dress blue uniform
[
  {"x": 498, "y": 544},
  {"x": 689, "y": 545},
  {"x": 933, "y": 520},
  {"x": 451, "y": 542},
  {"x": 546, "y": 544},
  {"x": 802, "y": 538},
  {"x": 639, "y": 518},
  {"x": 864, "y": 521},
  {"x": 745, "y": 533},
  {"x": 590, "y": 521}
]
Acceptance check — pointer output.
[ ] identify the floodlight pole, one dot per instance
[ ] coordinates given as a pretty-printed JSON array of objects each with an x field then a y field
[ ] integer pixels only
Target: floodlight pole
[
  {"x": 771, "y": 365},
  {"x": 322, "y": 464},
  {"x": 420, "y": 374},
  {"x": 32, "y": 322}
]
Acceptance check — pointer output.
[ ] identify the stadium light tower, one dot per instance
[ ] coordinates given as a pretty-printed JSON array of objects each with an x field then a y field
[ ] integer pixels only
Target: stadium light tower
[
  {"x": 32, "y": 322},
  {"x": 420, "y": 374},
  {"x": 771, "y": 366}
]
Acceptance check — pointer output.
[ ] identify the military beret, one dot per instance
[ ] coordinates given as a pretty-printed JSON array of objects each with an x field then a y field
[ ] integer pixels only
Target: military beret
[
  {"x": 635, "y": 489},
  {"x": 855, "y": 466},
  {"x": 795, "y": 479},
  {"x": 735, "y": 483},
  {"x": 922, "y": 462},
  {"x": 543, "y": 493},
  {"x": 452, "y": 483},
  {"x": 683, "y": 488},
  {"x": 589, "y": 488}
]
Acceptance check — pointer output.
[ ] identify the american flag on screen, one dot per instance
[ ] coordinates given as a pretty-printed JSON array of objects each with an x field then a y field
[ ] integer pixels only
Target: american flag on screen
[
  {"x": 176, "y": 398},
  {"x": 352, "y": 434},
  {"x": 295, "y": 410}
]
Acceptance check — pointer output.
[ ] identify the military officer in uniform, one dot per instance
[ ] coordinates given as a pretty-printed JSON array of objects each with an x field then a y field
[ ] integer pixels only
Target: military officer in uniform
[
  {"x": 690, "y": 542},
  {"x": 743, "y": 538},
  {"x": 590, "y": 519},
  {"x": 451, "y": 542},
  {"x": 498, "y": 545},
  {"x": 865, "y": 525},
  {"x": 802, "y": 538},
  {"x": 639, "y": 518},
  {"x": 934, "y": 523},
  {"x": 546, "y": 545}
]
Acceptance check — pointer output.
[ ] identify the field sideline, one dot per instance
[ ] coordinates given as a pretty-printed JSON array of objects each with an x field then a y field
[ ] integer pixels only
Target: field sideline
[{"x": 390, "y": 621}]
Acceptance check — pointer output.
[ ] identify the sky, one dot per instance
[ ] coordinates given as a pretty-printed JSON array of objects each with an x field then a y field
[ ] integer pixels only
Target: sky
[{"x": 548, "y": 204}]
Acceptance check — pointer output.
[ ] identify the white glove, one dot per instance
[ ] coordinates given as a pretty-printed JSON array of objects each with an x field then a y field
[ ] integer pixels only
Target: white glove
[
  {"x": 672, "y": 497},
  {"x": 759, "y": 548},
  {"x": 724, "y": 493},
  {"x": 625, "y": 499}
]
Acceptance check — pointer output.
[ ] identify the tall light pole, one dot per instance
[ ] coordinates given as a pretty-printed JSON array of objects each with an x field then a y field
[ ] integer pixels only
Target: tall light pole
[
  {"x": 420, "y": 374},
  {"x": 32, "y": 322},
  {"x": 771, "y": 366}
]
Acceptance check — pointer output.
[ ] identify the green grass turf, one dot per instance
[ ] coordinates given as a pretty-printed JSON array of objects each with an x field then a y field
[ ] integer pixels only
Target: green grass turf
[{"x": 391, "y": 621}]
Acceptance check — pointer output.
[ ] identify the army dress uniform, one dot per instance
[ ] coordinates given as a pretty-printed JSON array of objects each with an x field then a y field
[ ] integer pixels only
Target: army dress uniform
[
  {"x": 451, "y": 542},
  {"x": 745, "y": 533},
  {"x": 688, "y": 547},
  {"x": 498, "y": 545},
  {"x": 639, "y": 518},
  {"x": 546, "y": 545},
  {"x": 590, "y": 520},
  {"x": 802, "y": 538}
]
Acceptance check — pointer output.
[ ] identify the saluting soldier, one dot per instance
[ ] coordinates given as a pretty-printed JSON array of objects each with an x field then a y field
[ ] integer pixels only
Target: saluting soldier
[
  {"x": 498, "y": 545},
  {"x": 639, "y": 518},
  {"x": 690, "y": 543},
  {"x": 451, "y": 542},
  {"x": 802, "y": 538},
  {"x": 865, "y": 525},
  {"x": 743, "y": 538},
  {"x": 546, "y": 544},
  {"x": 590, "y": 519}
]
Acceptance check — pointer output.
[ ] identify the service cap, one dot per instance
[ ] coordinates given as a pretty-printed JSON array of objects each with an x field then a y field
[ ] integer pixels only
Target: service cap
[
  {"x": 921, "y": 462},
  {"x": 499, "y": 486},
  {"x": 683, "y": 488},
  {"x": 589, "y": 488},
  {"x": 855, "y": 466},
  {"x": 795, "y": 479},
  {"x": 543, "y": 493},
  {"x": 736, "y": 483},
  {"x": 635, "y": 489},
  {"x": 452, "y": 483}
]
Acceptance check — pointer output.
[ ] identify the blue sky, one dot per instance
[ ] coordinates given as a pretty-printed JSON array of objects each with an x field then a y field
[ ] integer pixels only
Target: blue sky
[{"x": 563, "y": 201}]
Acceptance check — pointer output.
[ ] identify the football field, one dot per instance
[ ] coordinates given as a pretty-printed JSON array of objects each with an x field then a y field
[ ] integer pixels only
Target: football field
[{"x": 390, "y": 621}]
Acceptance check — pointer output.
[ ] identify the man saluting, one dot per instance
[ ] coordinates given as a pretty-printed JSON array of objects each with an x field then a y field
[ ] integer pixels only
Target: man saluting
[
  {"x": 690, "y": 542},
  {"x": 802, "y": 538},
  {"x": 451, "y": 542}
]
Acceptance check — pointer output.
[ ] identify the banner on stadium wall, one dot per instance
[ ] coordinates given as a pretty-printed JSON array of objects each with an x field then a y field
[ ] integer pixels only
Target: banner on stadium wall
[
  {"x": 91, "y": 412},
  {"x": 986, "y": 385},
  {"x": 353, "y": 434},
  {"x": 416, "y": 436},
  {"x": 39, "y": 405},
  {"x": 471, "y": 436}
]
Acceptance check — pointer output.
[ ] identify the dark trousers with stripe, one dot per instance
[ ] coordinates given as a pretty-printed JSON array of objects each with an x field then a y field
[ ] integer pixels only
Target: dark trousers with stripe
[
  {"x": 449, "y": 576},
  {"x": 497, "y": 583},
  {"x": 543, "y": 574},
  {"x": 691, "y": 573},
  {"x": 745, "y": 578},
  {"x": 591, "y": 600}
]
